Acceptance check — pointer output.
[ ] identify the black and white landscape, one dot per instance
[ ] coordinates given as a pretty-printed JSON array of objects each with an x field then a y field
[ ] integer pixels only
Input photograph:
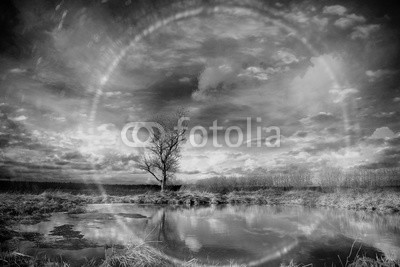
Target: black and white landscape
[{"x": 199, "y": 133}]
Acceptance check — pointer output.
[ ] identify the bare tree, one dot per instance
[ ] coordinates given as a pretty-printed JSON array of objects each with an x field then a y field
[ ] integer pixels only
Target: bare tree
[{"x": 161, "y": 157}]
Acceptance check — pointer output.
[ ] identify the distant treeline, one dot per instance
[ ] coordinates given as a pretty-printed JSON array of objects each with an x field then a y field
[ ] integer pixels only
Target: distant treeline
[{"x": 79, "y": 188}]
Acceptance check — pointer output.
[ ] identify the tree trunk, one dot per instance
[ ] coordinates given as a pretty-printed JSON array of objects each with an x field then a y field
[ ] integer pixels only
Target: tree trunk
[
  {"x": 162, "y": 185},
  {"x": 163, "y": 181}
]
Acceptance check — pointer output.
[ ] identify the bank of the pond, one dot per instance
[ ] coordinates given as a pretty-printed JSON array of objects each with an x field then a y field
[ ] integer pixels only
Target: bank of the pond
[
  {"x": 31, "y": 208},
  {"x": 385, "y": 201}
]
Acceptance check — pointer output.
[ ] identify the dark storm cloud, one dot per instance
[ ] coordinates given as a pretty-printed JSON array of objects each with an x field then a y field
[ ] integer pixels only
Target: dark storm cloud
[
  {"x": 169, "y": 90},
  {"x": 225, "y": 113},
  {"x": 222, "y": 47},
  {"x": 8, "y": 23},
  {"x": 395, "y": 142},
  {"x": 301, "y": 133},
  {"x": 189, "y": 172}
]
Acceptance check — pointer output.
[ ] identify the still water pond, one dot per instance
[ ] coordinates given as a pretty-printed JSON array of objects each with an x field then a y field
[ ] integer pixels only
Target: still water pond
[{"x": 251, "y": 235}]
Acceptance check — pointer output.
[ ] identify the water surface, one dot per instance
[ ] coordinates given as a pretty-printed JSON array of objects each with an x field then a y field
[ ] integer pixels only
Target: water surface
[{"x": 254, "y": 235}]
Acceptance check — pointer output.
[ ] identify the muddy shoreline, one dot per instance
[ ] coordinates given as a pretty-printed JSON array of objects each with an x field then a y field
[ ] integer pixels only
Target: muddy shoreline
[{"x": 31, "y": 208}]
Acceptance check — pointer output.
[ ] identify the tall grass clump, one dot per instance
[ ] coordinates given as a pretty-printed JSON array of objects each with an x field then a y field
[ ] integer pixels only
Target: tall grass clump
[
  {"x": 362, "y": 261},
  {"x": 137, "y": 255}
]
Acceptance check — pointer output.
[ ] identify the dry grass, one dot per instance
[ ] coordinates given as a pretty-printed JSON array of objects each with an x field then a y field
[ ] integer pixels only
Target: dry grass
[
  {"x": 380, "y": 200},
  {"x": 359, "y": 261},
  {"x": 16, "y": 259},
  {"x": 139, "y": 255},
  {"x": 143, "y": 255},
  {"x": 362, "y": 261},
  {"x": 13, "y": 259}
]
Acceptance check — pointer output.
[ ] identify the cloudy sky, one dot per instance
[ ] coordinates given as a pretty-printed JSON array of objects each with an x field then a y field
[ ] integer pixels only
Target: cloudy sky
[{"x": 73, "y": 73}]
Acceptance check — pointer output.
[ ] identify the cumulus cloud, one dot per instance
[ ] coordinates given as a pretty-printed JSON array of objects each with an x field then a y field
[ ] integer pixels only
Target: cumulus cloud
[
  {"x": 17, "y": 70},
  {"x": 335, "y": 10},
  {"x": 378, "y": 74},
  {"x": 343, "y": 94},
  {"x": 212, "y": 81},
  {"x": 222, "y": 77},
  {"x": 382, "y": 133},
  {"x": 112, "y": 94},
  {"x": 19, "y": 118},
  {"x": 316, "y": 83},
  {"x": 297, "y": 16},
  {"x": 184, "y": 80},
  {"x": 320, "y": 22},
  {"x": 363, "y": 32},
  {"x": 286, "y": 57},
  {"x": 258, "y": 73},
  {"x": 349, "y": 21},
  {"x": 383, "y": 114}
]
